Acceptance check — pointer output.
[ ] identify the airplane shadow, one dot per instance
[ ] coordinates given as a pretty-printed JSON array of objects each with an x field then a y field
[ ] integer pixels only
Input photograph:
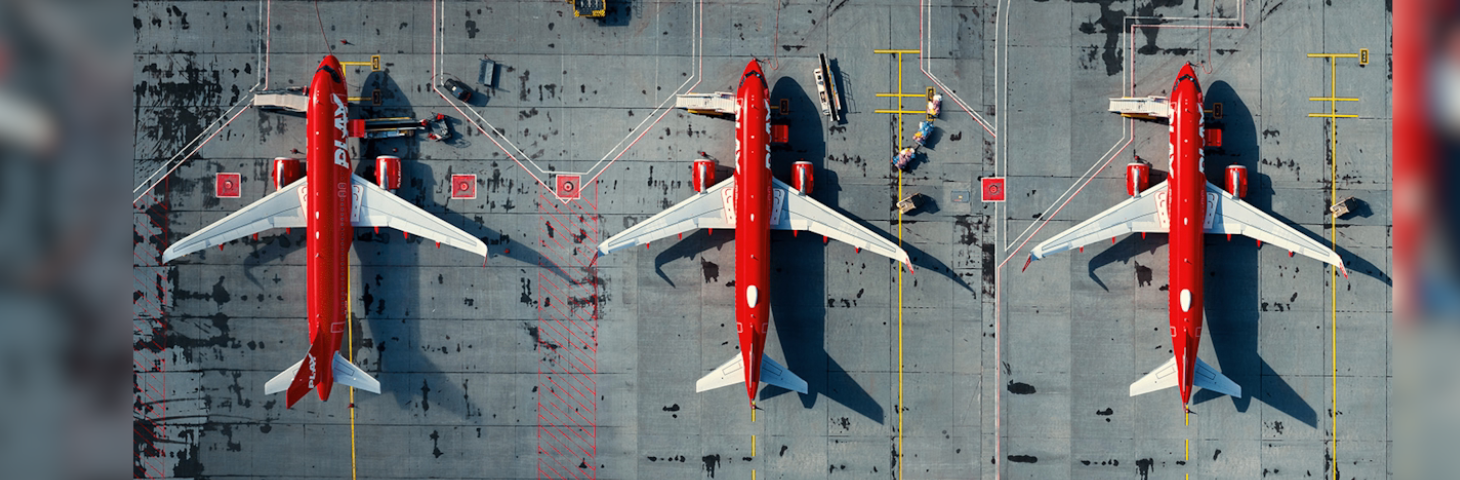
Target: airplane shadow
[
  {"x": 800, "y": 267},
  {"x": 1233, "y": 319},
  {"x": 800, "y": 318},
  {"x": 690, "y": 247}
]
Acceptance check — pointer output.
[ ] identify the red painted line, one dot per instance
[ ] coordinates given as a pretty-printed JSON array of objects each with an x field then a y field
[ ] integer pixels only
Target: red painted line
[
  {"x": 549, "y": 282},
  {"x": 565, "y": 442},
  {"x": 569, "y": 440},
  {"x": 555, "y": 307},
  {"x": 567, "y": 337},
  {"x": 580, "y": 387},
  {"x": 560, "y": 348},
  {"x": 550, "y": 466},
  {"x": 565, "y": 402}
]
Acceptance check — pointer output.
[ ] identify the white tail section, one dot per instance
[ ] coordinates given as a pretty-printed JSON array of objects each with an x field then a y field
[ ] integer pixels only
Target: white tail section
[
  {"x": 728, "y": 374},
  {"x": 281, "y": 381},
  {"x": 732, "y": 372},
  {"x": 345, "y": 373},
  {"x": 778, "y": 375},
  {"x": 349, "y": 375},
  {"x": 1210, "y": 379},
  {"x": 1205, "y": 377}
]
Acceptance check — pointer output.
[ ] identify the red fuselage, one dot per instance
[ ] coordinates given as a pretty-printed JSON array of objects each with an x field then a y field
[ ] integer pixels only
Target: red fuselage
[
  {"x": 327, "y": 205},
  {"x": 753, "y": 201},
  {"x": 1187, "y": 204}
]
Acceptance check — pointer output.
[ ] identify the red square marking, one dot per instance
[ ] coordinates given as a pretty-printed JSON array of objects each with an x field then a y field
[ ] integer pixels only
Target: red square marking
[
  {"x": 226, "y": 185},
  {"x": 464, "y": 187},
  {"x": 992, "y": 189},
  {"x": 569, "y": 186}
]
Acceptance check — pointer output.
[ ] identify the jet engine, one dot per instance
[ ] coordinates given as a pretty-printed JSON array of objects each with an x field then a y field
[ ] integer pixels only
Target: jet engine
[
  {"x": 703, "y": 173},
  {"x": 286, "y": 172},
  {"x": 801, "y": 176},
  {"x": 1236, "y": 180},
  {"x": 387, "y": 172},
  {"x": 1137, "y": 178}
]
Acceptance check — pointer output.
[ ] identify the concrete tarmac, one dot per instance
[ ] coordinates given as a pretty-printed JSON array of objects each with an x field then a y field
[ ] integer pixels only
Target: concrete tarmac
[{"x": 548, "y": 363}]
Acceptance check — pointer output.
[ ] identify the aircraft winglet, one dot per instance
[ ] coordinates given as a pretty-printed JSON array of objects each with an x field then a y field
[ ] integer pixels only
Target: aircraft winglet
[{"x": 1027, "y": 262}]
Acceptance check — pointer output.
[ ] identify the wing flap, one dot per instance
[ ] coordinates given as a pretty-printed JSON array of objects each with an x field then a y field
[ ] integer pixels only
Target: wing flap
[
  {"x": 801, "y": 212},
  {"x": 280, "y": 209},
  {"x": 376, "y": 207},
  {"x": 1140, "y": 213},
  {"x": 703, "y": 210},
  {"x": 1234, "y": 216}
]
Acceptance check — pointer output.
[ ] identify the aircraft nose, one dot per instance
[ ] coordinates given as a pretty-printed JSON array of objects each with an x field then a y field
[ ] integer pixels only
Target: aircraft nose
[
  {"x": 753, "y": 66},
  {"x": 1186, "y": 70}
]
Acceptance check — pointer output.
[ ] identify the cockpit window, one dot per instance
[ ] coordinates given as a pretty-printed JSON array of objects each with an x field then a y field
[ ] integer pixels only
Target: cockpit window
[{"x": 333, "y": 74}]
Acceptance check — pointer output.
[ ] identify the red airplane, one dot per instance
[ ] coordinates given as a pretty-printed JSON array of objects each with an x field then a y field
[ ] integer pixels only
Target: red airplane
[
  {"x": 1186, "y": 206},
  {"x": 753, "y": 203},
  {"x": 328, "y": 202}
]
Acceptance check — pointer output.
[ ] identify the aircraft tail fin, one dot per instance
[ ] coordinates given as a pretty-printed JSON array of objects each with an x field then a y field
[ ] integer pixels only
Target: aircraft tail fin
[
  {"x": 299, "y": 378},
  {"x": 1210, "y": 379},
  {"x": 732, "y": 372},
  {"x": 1161, "y": 378}
]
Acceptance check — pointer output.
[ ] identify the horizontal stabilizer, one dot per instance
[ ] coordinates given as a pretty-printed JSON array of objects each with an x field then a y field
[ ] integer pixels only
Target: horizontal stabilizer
[
  {"x": 778, "y": 375},
  {"x": 349, "y": 375},
  {"x": 1162, "y": 378},
  {"x": 1210, "y": 379},
  {"x": 281, "y": 381},
  {"x": 733, "y": 372}
]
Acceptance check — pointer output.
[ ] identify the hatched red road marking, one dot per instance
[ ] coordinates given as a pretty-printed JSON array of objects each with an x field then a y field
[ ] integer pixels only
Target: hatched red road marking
[{"x": 567, "y": 394}]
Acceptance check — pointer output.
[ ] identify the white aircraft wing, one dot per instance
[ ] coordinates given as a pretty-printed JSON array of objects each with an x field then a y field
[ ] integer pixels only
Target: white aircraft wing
[
  {"x": 1234, "y": 216},
  {"x": 1138, "y": 214},
  {"x": 804, "y": 213},
  {"x": 703, "y": 210},
  {"x": 376, "y": 207},
  {"x": 280, "y": 209}
]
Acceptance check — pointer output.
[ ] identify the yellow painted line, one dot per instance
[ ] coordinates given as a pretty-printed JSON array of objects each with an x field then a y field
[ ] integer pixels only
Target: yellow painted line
[
  {"x": 1333, "y": 242},
  {"x": 1188, "y": 449},
  {"x": 752, "y": 445},
  {"x": 355, "y": 99},
  {"x": 1333, "y": 114},
  {"x": 900, "y": 132},
  {"x": 350, "y": 345}
]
